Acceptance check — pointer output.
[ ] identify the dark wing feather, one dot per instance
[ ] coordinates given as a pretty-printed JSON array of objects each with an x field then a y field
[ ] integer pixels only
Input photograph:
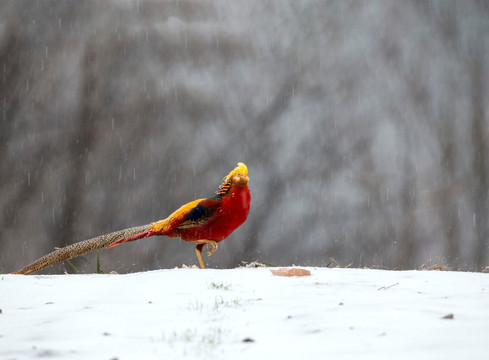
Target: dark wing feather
[{"x": 200, "y": 214}]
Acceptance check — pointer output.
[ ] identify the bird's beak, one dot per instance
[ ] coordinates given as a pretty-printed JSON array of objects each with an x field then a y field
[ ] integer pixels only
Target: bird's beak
[{"x": 242, "y": 179}]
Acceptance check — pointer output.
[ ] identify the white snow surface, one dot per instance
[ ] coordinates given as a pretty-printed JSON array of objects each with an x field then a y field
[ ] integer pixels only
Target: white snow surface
[{"x": 209, "y": 314}]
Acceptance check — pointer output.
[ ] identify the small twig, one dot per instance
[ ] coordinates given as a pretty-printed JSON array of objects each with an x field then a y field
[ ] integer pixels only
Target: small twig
[
  {"x": 332, "y": 261},
  {"x": 387, "y": 287}
]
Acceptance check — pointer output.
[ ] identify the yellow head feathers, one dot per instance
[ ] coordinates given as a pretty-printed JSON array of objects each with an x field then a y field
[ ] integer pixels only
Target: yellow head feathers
[
  {"x": 240, "y": 169},
  {"x": 239, "y": 173}
]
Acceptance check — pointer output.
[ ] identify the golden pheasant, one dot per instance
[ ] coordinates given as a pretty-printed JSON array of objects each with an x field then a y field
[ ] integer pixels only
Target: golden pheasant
[
  {"x": 206, "y": 221},
  {"x": 203, "y": 222}
]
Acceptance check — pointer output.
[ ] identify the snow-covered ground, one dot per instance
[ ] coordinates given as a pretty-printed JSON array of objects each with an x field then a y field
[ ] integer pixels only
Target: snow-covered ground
[{"x": 246, "y": 313}]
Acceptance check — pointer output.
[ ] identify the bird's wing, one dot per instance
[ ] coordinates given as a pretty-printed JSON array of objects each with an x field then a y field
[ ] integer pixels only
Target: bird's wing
[
  {"x": 200, "y": 214},
  {"x": 193, "y": 214}
]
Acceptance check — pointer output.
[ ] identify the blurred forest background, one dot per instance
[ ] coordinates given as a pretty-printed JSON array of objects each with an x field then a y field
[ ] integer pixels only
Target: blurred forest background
[{"x": 364, "y": 125}]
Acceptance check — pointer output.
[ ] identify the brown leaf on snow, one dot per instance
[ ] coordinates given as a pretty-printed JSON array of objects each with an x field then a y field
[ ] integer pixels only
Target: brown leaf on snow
[
  {"x": 449, "y": 316},
  {"x": 290, "y": 272}
]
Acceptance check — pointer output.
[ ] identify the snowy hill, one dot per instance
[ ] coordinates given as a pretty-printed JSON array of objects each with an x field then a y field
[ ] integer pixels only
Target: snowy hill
[{"x": 246, "y": 313}]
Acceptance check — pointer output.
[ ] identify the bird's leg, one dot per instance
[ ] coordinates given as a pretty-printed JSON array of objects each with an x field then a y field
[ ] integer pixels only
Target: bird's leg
[
  {"x": 198, "y": 251},
  {"x": 200, "y": 247}
]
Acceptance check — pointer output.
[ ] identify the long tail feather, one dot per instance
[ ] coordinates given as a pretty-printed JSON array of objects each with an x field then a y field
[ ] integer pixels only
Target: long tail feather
[
  {"x": 141, "y": 235},
  {"x": 81, "y": 248}
]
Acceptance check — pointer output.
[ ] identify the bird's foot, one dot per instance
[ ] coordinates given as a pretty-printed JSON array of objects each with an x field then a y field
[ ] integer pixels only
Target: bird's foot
[
  {"x": 213, "y": 247},
  {"x": 200, "y": 245}
]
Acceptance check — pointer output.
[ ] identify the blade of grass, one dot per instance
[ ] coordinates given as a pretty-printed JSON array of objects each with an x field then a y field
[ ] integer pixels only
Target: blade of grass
[
  {"x": 73, "y": 266},
  {"x": 99, "y": 269}
]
